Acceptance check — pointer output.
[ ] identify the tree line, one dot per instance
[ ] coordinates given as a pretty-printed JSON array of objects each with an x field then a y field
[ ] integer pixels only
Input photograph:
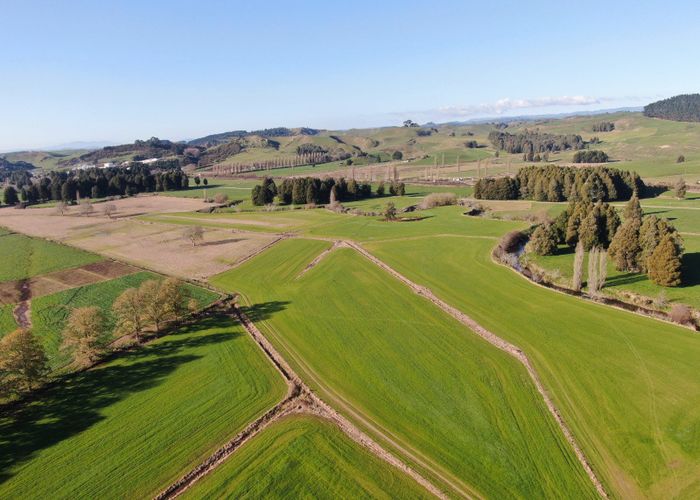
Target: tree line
[
  {"x": 682, "y": 108},
  {"x": 534, "y": 142},
  {"x": 604, "y": 127},
  {"x": 555, "y": 183},
  {"x": 98, "y": 183},
  {"x": 313, "y": 190},
  {"x": 88, "y": 334},
  {"x": 640, "y": 244}
]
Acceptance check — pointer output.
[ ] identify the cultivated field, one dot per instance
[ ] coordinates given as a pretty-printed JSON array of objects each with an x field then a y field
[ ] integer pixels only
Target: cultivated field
[
  {"x": 300, "y": 457},
  {"x": 626, "y": 384},
  {"x": 141, "y": 420},
  {"x": 50, "y": 312},
  {"x": 161, "y": 247},
  {"x": 378, "y": 352}
]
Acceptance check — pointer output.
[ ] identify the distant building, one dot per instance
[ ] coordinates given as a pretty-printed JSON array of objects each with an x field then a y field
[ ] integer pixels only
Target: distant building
[{"x": 109, "y": 164}]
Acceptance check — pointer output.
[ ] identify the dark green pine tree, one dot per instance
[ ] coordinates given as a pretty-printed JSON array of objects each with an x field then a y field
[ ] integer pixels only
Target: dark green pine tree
[{"x": 665, "y": 262}]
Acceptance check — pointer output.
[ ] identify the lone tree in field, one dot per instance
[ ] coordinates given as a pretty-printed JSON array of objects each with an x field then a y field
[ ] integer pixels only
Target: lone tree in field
[
  {"x": 85, "y": 335},
  {"x": 544, "y": 240},
  {"x": 195, "y": 234},
  {"x": 680, "y": 188},
  {"x": 86, "y": 207},
  {"x": 109, "y": 209},
  {"x": 128, "y": 309},
  {"x": 23, "y": 363},
  {"x": 680, "y": 159},
  {"x": 197, "y": 180},
  {"x": 61, "y": 208},
  {"x": 577, "y": 279},
  {"x": 397, "y": 155},
  {"x": 390, "y": 212},
  {"x": 665, "y": 262}
]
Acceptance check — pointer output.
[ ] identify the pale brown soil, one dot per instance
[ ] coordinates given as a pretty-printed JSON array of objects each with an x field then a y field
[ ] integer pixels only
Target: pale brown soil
[
  {"x": 12, "y": 292},
  {"x": 158, "y": 246}
]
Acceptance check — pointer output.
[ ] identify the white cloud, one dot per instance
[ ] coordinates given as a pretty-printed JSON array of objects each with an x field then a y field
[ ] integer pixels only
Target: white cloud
[{"x": 507, "y": 105}]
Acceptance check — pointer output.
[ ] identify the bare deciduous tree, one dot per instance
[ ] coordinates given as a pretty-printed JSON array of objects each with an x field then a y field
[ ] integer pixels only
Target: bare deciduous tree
[
  {"x": 61, "y": 208},
  {"x": 85, "y": 335},
  {"x": 109, "y": 209},
  {"x": 23, "y": 362},
  {"x": 195, "y": 234},
  {"x": 128, "y": 309},
  {"x": 86, "y": 207},
  {"x": 220, "y": 198}
]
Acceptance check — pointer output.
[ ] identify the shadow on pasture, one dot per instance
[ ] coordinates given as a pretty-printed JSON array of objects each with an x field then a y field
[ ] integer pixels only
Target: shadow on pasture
[
  {"x": 76, "y": 402},
  {"x": 655, "y": 212},
  {"x": 691, "y": 269},
  {"x": 564, "y": 250},
  {"x": 264, "y": 310},
  {"x": 219, "y": 242},
  {"x": 625, "y": 279}
]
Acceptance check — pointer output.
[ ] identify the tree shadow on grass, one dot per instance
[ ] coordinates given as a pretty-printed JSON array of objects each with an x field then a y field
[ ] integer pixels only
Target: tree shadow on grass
[
  {"x": 75, "y": 403},
  {"x": 691, "y": 269},
  {"x": 625, "y": 279},
  {"x": 264, "y": 310}
]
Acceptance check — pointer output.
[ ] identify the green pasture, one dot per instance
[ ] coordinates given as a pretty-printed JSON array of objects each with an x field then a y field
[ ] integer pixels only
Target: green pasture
[
  {"x": 24, "y": 257},
  {"x": 50, "y": 312},
  {"x": 130, "y": 426},
  {"x": 7, "y": 320},
  {"x": 450, "y": 402},
  {"x": 628, "y": 386},
  {"x": 304, "y": 457}
]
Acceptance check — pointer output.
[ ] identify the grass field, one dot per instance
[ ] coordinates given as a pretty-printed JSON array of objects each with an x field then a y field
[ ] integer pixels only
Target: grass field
[
  {"x": 627, "y": 385},
  {"x": 7, "y": 320},
  {"x": 24, "y": 257},
  {"x": 141, "y": 420},
  {"x": 50, "y": 312},
  {"x": 304, "y": 457},
  {"x": 363, "y": 339}
]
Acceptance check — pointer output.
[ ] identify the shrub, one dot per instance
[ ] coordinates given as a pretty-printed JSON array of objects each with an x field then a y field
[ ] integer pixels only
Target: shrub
[
  {"x": 438, "y": 200},
  {"x": 681, "y": 314},
  {"x": 512, "y": 241}
]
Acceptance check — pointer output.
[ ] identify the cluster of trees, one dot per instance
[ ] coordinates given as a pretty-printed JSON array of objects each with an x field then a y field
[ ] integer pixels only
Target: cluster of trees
[
  {"x": 151, "y": 148},
  {"x": 590, "y": 156},
  {"x": 308, "y": 148},
  {"x": 682, "y": 108},
  {"x": 534, "y": 142},
  {"x": 643, "y": 244},
  {"x": 604, "y": 127},
  {"x": 555, "y": 183},
  {"x": 87, "y": 335},
  {"x": 312, "y": 190},
  {"x": 99, "y": 183}
]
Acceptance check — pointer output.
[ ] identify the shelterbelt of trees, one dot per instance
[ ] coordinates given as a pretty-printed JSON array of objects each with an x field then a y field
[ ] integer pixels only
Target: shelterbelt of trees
[
  {"x": 313, "y": 190},
  {"x": 555, "y": 183},
  {"x": 98, "y": 183},
  {"x": 534, "y": 142},
  {"x": 682, "y": 108}
]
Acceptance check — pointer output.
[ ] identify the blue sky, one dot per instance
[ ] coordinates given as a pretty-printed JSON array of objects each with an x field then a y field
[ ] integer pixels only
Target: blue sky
[{"x": 121, "y": 70}]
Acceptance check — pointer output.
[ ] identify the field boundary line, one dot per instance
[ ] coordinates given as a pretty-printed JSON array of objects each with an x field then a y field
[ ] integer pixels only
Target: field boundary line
[
  {"x": 320, "y": 257},
  {"x": 501, "y": 344},
  {"x": 300, "y": 399}
]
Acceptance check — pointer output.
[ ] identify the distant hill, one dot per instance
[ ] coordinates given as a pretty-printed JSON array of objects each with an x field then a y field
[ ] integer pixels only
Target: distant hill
[
  {"x": 224, "y": 137},
  {"x": 12, "y": 166},
  {"x": 681, "y": 108}
]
